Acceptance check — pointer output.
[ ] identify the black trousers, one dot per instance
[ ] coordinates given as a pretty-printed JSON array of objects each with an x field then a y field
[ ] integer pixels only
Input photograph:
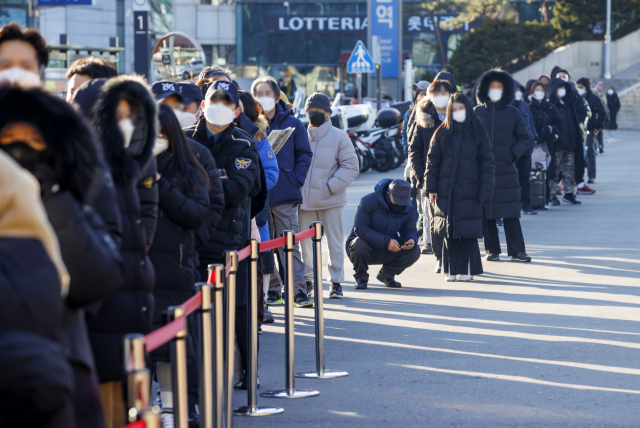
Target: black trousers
[
  {"x": 524, "y": 177},
  {"x": 592, "y": 148},
  {"x": 513, "y": 233},
  {"x": 362, "y": 255}
]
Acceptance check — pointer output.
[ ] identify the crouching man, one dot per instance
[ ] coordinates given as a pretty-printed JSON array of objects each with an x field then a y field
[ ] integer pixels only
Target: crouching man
[{"x": 384, "y": 233}]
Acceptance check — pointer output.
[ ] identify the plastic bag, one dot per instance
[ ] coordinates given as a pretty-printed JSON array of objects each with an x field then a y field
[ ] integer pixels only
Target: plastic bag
[{"x": 540, "y": 157}]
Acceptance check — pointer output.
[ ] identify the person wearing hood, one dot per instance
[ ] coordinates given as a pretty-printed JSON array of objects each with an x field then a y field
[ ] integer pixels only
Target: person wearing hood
[
  {"x": 236, "y": 153},
  {"x": 294, "y": 159},
  {"x": 613, "y": 104},
  {"x": 527, "y": 90},
  {"x": 430, "y": 113},
  {"x": 48, "y": 138},
  {"x": 445, "y": 75},
  {"x": 409, "y": 119},
  {"x": 594, "y": 125},
  {"x": 334, "y": 166},
  {"x": 459, "y": 177},
  {"x": 568, "y": 145},
  {"x": 524, "y": 162},
  {"x": 583, "y": 113},
  {"x": 510, "y": 141},
  {"x": 125, "y": 121},
  {"x": 384, "y": 233}
]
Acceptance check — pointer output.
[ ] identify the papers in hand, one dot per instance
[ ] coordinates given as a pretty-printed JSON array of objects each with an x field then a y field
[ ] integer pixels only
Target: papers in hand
[{"x": 278, "y": 137}]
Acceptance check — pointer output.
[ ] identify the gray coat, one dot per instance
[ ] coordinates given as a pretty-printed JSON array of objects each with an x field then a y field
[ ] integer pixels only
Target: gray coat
[{"x": 334, "y": 166}]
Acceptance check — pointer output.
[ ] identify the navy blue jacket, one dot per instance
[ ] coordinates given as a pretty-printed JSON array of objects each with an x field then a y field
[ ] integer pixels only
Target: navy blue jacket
[
  {"x": 377, "y": 225},
  {"x": 294, "y": 158}
]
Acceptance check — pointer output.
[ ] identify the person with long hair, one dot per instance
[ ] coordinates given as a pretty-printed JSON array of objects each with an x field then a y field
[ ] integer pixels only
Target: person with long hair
[
  {"x": 183, "y": 207},
  {"x": 459, "y": 178}
]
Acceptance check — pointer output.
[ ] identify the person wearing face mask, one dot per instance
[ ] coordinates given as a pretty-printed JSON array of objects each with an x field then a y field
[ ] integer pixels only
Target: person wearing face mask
[
  {"x": 430, "y": 113},
  {"x": 48, "y": 138},
  {"x": 528, "y": 94},
  {"x": 125, "y": 122},
  {"x": 23, "y": 56},
  {"x": 613, "y": 103},
  {"x": 459, "y": 177},
  {"x": 236, "y": 153},
  {"x": 334, "y": 166},
  {"x": 510, "y": 141},
  {"x": 184, "y": 207},
  {"x": 524, "y": 162},
  {"x": 594, "y": 125},
  {"x": 294, "y": 159},
  {"x": 568, "y": 145}
]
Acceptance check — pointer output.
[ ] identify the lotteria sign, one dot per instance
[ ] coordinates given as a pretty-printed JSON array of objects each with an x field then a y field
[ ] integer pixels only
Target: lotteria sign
[{"x": 316, "y": 23}]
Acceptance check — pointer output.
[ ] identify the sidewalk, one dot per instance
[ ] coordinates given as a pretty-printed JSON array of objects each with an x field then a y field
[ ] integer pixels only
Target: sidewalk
[{"x": 552, "y": 343}]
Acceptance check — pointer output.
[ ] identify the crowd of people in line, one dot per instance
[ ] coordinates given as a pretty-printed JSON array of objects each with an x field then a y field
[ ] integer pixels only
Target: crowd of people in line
[{"x": 114, "y": 202}]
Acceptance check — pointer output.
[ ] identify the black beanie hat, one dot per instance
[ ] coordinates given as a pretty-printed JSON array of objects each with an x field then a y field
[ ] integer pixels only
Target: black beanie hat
[{"x": 318, "y": 100}]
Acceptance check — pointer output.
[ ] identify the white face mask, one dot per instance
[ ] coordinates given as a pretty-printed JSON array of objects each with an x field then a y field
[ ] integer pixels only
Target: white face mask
[
  {"x": 218, "y": 114},
  {"x": 495, "y": 95},
  {"x": 561, "y": 93},
  {"x": 21, "y": 77},
  {"x": 126, "y": 129},
  {"x": 610, "y": 91},
  {"x": 267, "y": 103},
  {"x": 185, "y": 118},
  {"x": 538, "y": 95},
  {"x": 582, "y": 91},
  {"x": 518, "y": 95},
  {"x": 440, "y": 101},
  {"x": 161, "y": 145},
  {"x": 460, "y": 115}
]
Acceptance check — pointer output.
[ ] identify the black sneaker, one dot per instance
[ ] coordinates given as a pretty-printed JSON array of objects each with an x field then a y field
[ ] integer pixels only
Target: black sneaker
[
  {"x": 274, "y": 298},
  {"x": 361, "y": 285},
  {"x": 389, "y": 282},
  {"x": 243, "y": 384},
  {"x": 267, "y": 318},
  {"x": 309, "y": 289},
  {"x": 490, "y": 257},
  {"x": 554, "y": 202},
  {"x": 570, "y": 198},
  {"x": 521, "y": 257},
  {"x": 336, "y": 291},
  {"x": 302, "y": 301},
  {"x": 259, "y": 330},
  {"x": 427, "y": 249},
  {"x": 528, "y": 209},
  {"x": 499, "y": 222},
  {"x": 194, "y": 419}
]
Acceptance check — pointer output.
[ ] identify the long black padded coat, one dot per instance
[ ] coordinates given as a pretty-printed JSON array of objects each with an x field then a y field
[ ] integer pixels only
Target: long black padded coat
[
  {"x": 510, "y": 140},
  {"x": 427, "y": 121},
  {"x": 460, "y": 170}
]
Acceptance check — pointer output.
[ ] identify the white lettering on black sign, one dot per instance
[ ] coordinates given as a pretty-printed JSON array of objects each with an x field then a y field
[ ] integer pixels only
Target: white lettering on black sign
[{"x": 316, "y": 24}]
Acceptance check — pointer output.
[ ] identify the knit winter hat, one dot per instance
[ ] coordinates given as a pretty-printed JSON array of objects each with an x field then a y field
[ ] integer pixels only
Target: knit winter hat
[{"x": 318, "y": 100}]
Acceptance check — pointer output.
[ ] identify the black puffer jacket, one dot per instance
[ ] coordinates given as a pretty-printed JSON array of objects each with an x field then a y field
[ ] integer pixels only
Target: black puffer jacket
[
  {"x": 598, "y": 112},
  {"x": 547, "y": 121},
  {"x": 460, "y": 169},
  {"x": 571, "y": 136},
  {"x": 173, "y": 252},
  {"x": 510, "y": 140},
  {"x": 130, "y": 309},
  {"x": 427, "y": 122},
  {"x": 236, "y": 153},
  {"x": 613, "y": 104}
]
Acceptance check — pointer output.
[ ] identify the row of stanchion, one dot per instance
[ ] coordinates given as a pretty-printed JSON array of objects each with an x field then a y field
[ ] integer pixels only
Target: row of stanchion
[{"x": 215, "y": 304}]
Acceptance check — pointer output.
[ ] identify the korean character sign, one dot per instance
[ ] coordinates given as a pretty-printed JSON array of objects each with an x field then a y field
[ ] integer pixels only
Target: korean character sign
[{"x": 384, "y": 15}]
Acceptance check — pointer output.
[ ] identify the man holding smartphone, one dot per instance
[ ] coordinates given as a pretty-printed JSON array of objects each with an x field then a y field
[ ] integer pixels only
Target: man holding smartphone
[{"x": 384, "y": 233}]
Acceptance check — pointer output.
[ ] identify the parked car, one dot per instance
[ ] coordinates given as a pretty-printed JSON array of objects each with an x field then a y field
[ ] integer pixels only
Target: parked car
[{"x": 192, "y": 68}]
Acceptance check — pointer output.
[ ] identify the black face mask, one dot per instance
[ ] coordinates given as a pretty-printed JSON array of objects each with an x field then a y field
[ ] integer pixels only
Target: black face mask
[
  {"x": 316, "y": 118},
  {"x": 24, "y": 154}
]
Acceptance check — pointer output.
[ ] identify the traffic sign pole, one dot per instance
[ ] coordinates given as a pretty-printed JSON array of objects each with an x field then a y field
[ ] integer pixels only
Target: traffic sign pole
[{"x": 359, "y": 81}]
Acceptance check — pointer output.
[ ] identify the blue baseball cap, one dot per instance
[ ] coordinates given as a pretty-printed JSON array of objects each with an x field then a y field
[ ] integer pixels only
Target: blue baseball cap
[
  {"x": 227, "y": 87},
  {"x": 190, "y": 92}
]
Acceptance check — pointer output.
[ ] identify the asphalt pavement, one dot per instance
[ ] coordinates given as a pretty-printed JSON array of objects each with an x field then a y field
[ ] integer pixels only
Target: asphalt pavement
[{"x": 555, "y": 342}]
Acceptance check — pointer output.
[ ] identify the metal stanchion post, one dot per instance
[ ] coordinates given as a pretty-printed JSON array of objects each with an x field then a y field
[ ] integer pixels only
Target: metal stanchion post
[
  {"x": 218, "y": 345},
  {"x": 320, "y": 372},
  {"x": 290, "y": 391},
  {"x": 179, "y": 370},
  {"x": 138, "y": 376},
  {"x": 252, "y": 408},
  {"x": 206, "y": 360},
  {"x": 230, "y": 301}
]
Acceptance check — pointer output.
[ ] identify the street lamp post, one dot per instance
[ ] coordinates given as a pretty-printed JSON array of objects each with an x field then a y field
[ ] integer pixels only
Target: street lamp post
[{"x": 607, "y": 44}]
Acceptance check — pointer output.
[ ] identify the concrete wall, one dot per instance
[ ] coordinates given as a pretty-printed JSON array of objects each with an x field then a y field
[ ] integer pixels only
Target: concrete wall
[{"x": 585, "y": 59}]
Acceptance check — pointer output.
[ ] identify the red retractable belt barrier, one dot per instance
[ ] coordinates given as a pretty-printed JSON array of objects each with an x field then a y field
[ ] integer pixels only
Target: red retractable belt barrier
[
  {"x": 139, "y": 424},
  {"x": 164, "y": 334}
]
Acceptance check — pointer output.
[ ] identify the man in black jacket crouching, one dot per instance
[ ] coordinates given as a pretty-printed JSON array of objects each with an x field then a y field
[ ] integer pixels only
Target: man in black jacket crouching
[{"x": 384, "y": 232}]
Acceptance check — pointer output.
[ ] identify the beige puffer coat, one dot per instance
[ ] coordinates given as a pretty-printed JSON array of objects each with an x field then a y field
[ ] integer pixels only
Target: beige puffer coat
[{"x": 333, "y": 167}]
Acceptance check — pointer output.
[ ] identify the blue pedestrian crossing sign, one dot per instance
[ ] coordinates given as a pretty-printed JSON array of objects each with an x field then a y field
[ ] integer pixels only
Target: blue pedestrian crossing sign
[{"x": 360, "y": 61}]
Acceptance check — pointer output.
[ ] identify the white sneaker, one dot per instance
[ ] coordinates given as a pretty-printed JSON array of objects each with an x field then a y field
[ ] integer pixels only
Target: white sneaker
[
  {"x": 449, "y": 278},
  {"x": 167, "y": 420},
  {"x": 438, "y": 267},
  {"x": 465, "y": 278}
]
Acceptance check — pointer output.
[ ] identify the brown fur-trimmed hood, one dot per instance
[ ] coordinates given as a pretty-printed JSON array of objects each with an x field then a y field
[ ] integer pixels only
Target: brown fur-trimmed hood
[{"x": 425, "y": 113}]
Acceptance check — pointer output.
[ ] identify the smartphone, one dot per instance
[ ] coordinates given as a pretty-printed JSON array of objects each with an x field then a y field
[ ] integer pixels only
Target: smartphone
[{"x": 222, "y": 172}]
